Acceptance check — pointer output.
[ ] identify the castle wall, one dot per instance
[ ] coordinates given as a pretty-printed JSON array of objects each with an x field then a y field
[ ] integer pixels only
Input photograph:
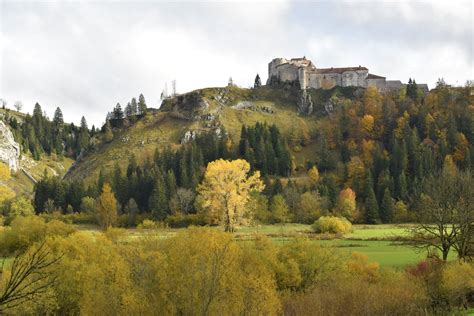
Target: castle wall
[
  {"x": 354, "y": 78},
  {"x": 272, "y": 66},
  {"x": 378, "y": 83},
  {"x": 287, "y": 72},
  {"x": 313, "y": 81}
]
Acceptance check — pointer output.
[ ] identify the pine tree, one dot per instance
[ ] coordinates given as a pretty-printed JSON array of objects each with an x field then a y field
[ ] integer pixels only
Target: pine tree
[
  {"x": 386, "y": 208},
  {"x": 258, "y": 82},
  {"x": 277, "y": 187},
  {"x": 142, "y": 108},
  {"x": 118, "y": 113},
  {"x": 134, "y": 106},
  {"x": 84, "y": 136},
  {"x": 128, "y": 110},
  {"x": 371, "y": 205},
  {"x": 58, "y": 120},
  {"x": 158, "y": 203},
  {"x": 402, "y": 187}
]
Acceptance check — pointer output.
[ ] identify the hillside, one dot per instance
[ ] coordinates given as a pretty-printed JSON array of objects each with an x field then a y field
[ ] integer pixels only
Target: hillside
[
  {"x": 183, "y": 116},
  {"x": 30, "y": 170}
]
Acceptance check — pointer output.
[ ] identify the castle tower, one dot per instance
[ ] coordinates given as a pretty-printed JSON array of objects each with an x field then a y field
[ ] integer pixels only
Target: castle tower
[{"x": 302, "y": 78}]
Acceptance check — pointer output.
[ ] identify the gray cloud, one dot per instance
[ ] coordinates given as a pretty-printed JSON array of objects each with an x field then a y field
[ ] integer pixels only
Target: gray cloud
[{"x": 87, "y": 56}]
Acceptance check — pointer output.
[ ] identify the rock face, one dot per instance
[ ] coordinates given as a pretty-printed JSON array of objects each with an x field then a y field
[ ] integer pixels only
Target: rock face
[
  {"x": 9, "y": 149},
  {"x": 305, "y": 104}
]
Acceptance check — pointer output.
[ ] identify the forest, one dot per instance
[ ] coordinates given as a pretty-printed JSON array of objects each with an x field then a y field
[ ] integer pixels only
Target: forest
[{"x": 117, "y": 244}]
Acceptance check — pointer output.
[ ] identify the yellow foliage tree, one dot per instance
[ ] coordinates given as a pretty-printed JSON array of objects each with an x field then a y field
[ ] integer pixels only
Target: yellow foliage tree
[
  {"x": 346, "y": 204},
  {"x": 367, "y": 124},
  {"x": 225, "y": 191},
  {"x": 368, "y": 148},
  {"x": 107, "y": 207},
  {"x": 402, "y": 124},
  {"x": 216, "y": 277},
  {"x": 313, "y": 174},
  {"x": 5, "y": 192},
  {"x": 356, "y": 172}
]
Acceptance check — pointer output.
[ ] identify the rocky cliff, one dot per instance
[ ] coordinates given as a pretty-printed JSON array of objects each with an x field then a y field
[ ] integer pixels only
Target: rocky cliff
[{"x": 9, "y": 149}]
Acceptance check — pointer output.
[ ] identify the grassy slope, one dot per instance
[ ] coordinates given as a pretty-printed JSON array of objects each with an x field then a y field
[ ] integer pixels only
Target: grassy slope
[{"x": 166, "y": 127}]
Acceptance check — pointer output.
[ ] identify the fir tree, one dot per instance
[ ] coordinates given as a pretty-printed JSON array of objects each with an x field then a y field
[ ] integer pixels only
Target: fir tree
[
  {"x": 158, "y": 203},
  {"x": 371, "y": 205},
  {"x": 142, "y": 108},
  {"x": 386, "y": 207},
  {"x": 258, "y": 82}
]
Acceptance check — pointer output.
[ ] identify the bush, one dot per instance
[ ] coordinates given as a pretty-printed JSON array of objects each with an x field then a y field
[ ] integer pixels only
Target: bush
[
  {"x": 74, "y": 218},
  {"x": 25, "y": 231},
  {"x": 19, "y": 206},
  {"x": 332, "y": 225},
  {"x": 150, "y": 224},
  {"x": 181, "y": 221}
]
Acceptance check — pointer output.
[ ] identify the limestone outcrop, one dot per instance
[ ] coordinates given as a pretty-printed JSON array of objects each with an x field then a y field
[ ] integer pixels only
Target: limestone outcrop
[
  {"x": 305, "y": 104},
  {"x": 9, "y": 149}
]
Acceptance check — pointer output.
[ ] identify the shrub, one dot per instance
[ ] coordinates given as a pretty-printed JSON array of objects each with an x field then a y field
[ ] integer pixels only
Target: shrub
[
  {"x": 149, "y": 224},
  {"x": 19, "y": 206},
  {"x": 87, "y": 205},
  {"x": 332, "y": 225},
  {"x": 181, "y": 221},
  {"x": 25, "y": 231},
  {"x": 458, "y": 282}
]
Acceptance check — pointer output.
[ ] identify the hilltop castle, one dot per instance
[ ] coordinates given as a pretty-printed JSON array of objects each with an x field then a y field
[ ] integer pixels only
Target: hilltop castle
[{"x": 304, "y": 72}]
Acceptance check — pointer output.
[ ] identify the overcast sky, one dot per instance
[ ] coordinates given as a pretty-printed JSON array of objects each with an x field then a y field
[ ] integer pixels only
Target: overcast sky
[{"x": 85, "y": 56}]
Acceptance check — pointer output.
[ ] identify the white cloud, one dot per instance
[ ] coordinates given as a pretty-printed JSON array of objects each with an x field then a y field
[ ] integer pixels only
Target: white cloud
[{"x": 86, "y": 56}]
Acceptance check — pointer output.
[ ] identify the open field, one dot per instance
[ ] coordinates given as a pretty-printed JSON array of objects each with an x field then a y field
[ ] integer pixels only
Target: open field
[{"x": 375, "y": 241}]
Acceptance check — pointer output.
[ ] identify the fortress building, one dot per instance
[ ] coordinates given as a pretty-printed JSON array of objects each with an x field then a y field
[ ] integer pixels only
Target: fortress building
[{"x": 304, "y": 72}]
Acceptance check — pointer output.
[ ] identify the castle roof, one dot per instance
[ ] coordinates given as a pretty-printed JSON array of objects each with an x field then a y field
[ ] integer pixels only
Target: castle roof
[
  {"x": 338, "y": 70},
  {"x": 372, "y": 76}
]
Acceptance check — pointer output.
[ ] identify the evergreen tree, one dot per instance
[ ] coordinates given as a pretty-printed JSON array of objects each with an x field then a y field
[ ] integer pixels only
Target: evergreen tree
[
  {"x": 386, "y": 207},
  {"x": 158, "y": 203},
  {"x": 134, "y": 106},
  {"x": 84, "y": 136},
  {"x": 371, "y": 205},
  {"x": 277, "y": 187},
  {"x": 118, "y": 113},
  {"x": 142, "y": 108},
  {"x": 258, "y": 82},
  {"x": 402, "y": 187},
  {"x": 58, "y": 120},
  {"x": 128, "y": 110}
]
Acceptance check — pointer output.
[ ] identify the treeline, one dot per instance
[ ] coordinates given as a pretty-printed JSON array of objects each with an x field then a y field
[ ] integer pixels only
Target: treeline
[
  {"x": 133, "y": 111},
  {"x": 39, "y": 135},
  {"x": 373, "y": 154},
  {"x": 165, "y": 184}
]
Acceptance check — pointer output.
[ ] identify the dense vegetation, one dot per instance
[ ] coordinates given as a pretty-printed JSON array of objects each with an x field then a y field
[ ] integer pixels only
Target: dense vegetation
[
  {"x": 38, "y": 135},
  {"x": 107, "y": 273},
  {"x": 374, "y": 158},
  {"x": 375, "y": 149}
]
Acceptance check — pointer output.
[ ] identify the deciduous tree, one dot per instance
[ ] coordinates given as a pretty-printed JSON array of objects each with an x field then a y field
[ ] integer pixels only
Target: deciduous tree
[
  {"x": 225, "y": 191},
  {"x": 107, "y": 207}
]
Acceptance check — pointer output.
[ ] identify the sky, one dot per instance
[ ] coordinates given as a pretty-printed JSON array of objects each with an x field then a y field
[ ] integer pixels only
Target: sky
[{"x": 85, "y": 56}]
